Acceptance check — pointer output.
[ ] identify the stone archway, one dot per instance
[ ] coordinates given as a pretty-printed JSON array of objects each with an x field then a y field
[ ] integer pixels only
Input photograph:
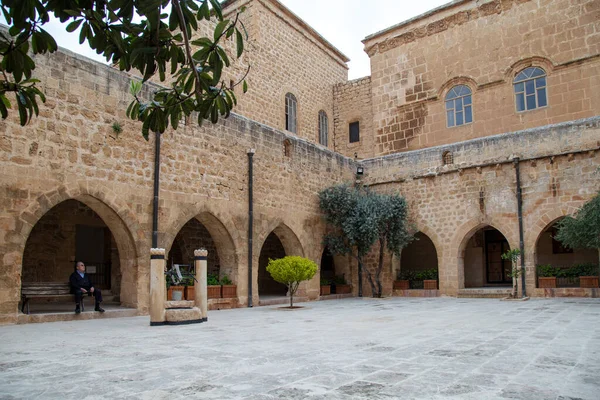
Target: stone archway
[
  {"x": 93, "y": 213},
  {"x": 419, "y": 255},
  {"x": 280, "y": 242},
  {"x": 481, "y": 256},
  {"x": 207, "y": 231},
  {"x": 549, "y": 251}
]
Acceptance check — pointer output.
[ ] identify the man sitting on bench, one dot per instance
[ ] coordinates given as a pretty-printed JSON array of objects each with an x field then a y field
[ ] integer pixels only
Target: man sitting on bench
[{"x": 82, "y": 284}]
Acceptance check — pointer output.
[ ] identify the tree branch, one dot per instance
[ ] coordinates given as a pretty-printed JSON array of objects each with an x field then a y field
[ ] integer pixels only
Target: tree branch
[{"x": 188, "y": 49}]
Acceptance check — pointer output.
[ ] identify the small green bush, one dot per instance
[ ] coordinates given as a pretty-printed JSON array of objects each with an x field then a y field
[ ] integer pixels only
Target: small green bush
[
  {"x": 291, "y": 270},
  {"x": 212, "y": 280},
  {"x": 325, "y": 282},
  {"x": 407, "y": 275},
  {"x": 428, "y": 274},
  {"x": 340, "y": 280},
  {"x": 548, "y": 271},
  {"x": 587, "y": 269},
  {"x": 226, "y": 281}
]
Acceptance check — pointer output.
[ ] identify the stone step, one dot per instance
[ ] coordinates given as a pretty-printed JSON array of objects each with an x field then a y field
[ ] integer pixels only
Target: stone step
[
  {"x": 485, "y": 293},
  {"x": 179, "y": 304},
  {"x": 280, "y": 300},
  {"x": 175, "y": 316},
  {"x": 111, "y": 312}
]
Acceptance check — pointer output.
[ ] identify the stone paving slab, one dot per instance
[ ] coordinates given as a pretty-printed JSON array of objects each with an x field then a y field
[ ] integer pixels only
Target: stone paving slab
[{"x": 397, "y": 348}]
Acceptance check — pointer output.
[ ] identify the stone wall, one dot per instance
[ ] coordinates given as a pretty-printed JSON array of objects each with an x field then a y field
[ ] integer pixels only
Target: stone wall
[
  {"x": 559, "y": 172},
  {"x": 482, "y": 45},
  {"x": 352, "y": 103},
  {"x": 71, "y": 152}
]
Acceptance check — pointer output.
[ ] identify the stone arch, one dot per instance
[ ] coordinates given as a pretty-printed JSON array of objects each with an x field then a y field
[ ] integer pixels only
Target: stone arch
[
  {"x": 542, "y": 222},
  {"x": 458, "y": 80},
  {"x": 422, "y": 243},
  {"x": 114, "y": 212},
  {"x": 456, "y": 267},
  {"x": 533, "y": 61},
  {"x": 290, "y": 241},
  {"x": 222, "y": 232}
]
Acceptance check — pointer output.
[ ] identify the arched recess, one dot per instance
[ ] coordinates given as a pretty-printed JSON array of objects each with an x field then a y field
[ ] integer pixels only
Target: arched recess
[
  {"x": 480, "y": 256},
  {"x": 327, "y": 265},
  {"x": 549, "y": 251},
  {"x": 207, "y": 231},
  {"x": 419, "y": 255},
  {"x": 70, "y": 224},
  {"x": 281, "y": 242}
]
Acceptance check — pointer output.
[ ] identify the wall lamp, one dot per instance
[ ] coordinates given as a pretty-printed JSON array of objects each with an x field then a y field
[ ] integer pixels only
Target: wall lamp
[{"x": 359, "y": 170}]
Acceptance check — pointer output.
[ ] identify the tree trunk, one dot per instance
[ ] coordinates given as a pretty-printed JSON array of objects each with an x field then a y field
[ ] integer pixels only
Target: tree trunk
[
  {"x": 379, "y": 268},
  {"x": 360, "y": 272},
  {"x": 291, "y": 289},
  {"x": 371, "y": 283},
  {"x": 514, "y": 279}
]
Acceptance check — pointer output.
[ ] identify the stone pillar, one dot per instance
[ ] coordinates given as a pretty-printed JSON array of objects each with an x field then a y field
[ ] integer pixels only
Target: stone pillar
[
  {"x": 157, "y": 287},
  {"x": 200, "y": 257}
]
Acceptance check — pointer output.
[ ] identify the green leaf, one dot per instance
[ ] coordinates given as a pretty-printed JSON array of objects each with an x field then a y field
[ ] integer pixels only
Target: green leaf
[
  {"x": 239, "y": 43},
  {"x": 220, "y": 28},
  {"x": 74, "y": 25},
  {"x": 245, "y": 86}
]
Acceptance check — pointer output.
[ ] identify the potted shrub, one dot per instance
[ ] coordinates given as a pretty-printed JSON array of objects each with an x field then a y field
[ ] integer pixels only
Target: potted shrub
[
  {"x": 403, "y": 280},
  {"x": 190, "y": 291},
  {"x": 587, "y": 275},
  {"x": 430, "y": 279},
  {"x": 213, "y": 287},
  {"x": 228, "y": 289},
  {"x": 325, "y": 287},
  {"x": 547, "y": 276},
  {"x": 341, "y": 286}
]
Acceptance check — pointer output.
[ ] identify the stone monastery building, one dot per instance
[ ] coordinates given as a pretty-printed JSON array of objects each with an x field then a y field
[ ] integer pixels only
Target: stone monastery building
[{"x": 460, "y": 101}]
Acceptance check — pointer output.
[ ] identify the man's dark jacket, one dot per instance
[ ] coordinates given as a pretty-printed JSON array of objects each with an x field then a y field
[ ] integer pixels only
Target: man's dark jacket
[{"x": 77, "y": 282}]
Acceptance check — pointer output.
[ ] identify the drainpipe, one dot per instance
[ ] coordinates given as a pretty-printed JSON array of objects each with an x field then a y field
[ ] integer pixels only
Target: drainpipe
[
  {"x": 156, "y": 186},
  {"x": 520, "y": 214},
  {"x": 250, "y": 222}
]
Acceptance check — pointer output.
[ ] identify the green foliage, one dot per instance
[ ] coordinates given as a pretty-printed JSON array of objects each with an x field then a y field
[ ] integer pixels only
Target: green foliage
[
  {"x": 357, "y": 219},
  {"x": 161, "y": 43},
  {"x": 291, "y": 270},
  {"x": 511, "y": 255},
  {"x": 339, "y": 280},
  {"x": 325, "y": 282},
  {"x": 117, "y": 128},
  {"x": 547, "y": 271},
  {"x": 226, "y": 281},
  {"x": 187, "y": 281},
  {"x": 583, "y": 230},
  {"x": 406, "y": 275},
  {"x": 577, "y": 270},
  {"x": 428, "y": 274},
  {"x": 212, "y": 280}
]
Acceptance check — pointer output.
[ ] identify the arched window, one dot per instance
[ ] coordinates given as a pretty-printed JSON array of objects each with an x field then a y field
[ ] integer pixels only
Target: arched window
[
  {"x": 459, "y": 110},
  {"x": 323, "y": 128},
  {"x": 530, "y": 89},
  {"x": 447, "y": 158},
  {"x": 290, "y": 113}
]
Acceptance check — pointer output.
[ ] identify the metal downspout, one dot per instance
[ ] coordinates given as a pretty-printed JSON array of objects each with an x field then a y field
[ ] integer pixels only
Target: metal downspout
[
  {"x": 521, "y": 235},
  {"x": 250, "y": 222}
]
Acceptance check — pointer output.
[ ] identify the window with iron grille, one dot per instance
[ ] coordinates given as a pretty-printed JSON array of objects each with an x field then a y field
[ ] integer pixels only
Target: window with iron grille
[
  {"x": 354, "y": 132},
  {"x": 447, "y": 158},
  {"x": 290, "y": 113},
  {"x": 530, "y": 89},
  {"x": 323, "y": 128},
  {"x": 459, "y": 110}
]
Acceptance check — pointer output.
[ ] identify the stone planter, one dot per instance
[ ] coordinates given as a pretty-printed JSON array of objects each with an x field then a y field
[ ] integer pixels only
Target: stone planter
[
  {"x": 213, "y": 291},
  {"x": 547, "y": 282},
  {"x": 430, "y": 284},
  {"x": 190, "y": 293},
  {"x": 402, "y": 285},
  {"x": 175, "y": 293},
  {"x": 343, "y": 289},
  {"x": 229, "y": 291},
  {"x": 588, "y": 281},
  {"x": 325, "y": 290}
]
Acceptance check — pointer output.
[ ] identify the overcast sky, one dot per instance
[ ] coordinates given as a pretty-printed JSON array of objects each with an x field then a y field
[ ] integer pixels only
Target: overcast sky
[{"x": 344, "y": 23}]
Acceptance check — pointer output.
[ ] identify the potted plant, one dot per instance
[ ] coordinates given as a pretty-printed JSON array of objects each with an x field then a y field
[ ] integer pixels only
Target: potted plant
[
  {"x": 547, "y": 276},
  {"x": 430, "y": 279},
  {"x": 325, "y": 287},
  {"x": 403, "y": 280},
  {"x": 587, "y": 275},
  {"x": 341, "y": 286},
  {"x": 175, "y": 292},
  {"x": 213, "y": 288},
  {"x": 228, "y": 289},
  {"x": 190, "y": 291}
]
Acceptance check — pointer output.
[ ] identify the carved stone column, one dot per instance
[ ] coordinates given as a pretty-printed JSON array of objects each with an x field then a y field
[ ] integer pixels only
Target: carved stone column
[
  {"x": 200, "y": 257},
  {"x": 157, "y": 287}
]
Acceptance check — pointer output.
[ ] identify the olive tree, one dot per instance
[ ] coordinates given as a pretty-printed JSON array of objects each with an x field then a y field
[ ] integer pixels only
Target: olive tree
[
  {"x": 291, "y": 270},
  {"x": 163, "y": 42},
  {"x": 357, "y": 219},
  {"x": 582, "y": 231}
]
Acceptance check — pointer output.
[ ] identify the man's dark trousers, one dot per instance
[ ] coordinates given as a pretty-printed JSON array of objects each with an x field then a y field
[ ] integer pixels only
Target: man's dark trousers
[{"x": 77, "y": 283}]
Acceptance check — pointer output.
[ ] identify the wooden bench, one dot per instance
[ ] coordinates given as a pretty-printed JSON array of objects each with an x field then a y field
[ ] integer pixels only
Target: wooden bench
[{"x": 30, "y": 290}]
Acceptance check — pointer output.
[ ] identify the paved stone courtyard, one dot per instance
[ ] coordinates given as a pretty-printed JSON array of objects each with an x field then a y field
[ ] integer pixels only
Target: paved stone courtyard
[{"x": 396, "y": 348}]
